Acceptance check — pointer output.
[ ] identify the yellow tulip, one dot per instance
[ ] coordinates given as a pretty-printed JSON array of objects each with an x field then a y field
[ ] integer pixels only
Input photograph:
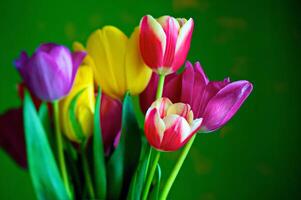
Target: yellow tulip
[
  {"x": 85, "y": 104},
  {"x": 118, "y": 66}
]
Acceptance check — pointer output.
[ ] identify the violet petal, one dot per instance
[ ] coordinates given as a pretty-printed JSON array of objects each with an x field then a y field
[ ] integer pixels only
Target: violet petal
[{"x": 225, "y": 104}]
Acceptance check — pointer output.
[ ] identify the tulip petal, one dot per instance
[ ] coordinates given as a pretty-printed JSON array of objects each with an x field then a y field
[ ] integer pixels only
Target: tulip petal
[
  {"x": 196, "y": 125},
  {"x": 21, "y": 64},
  {"x": 162, "y": 106},
  {"x": 211, "y": 89},
  {"x": 200, "y": 74},
  {"x": 21, "y": 61},
  {"x": 12, "y": 138},
  {"x": 182, "y": 110},
  {"x": 148, "y": 96},
  {"x": 183, "y": 44},
  {"x": 187, "y": 83},
  {"x": 77, "y": 46},
  {"x": 107, "y": 48},
  {"x": 77, "y": 59},
  {"x": 225, "y": 104},
  {"x": 177, "y": 130},
  {"x": 46, "y": 47},
  {"x": 171, "y": 28},
  {"x": 85, "y": 104},
  {"x": 110, "y": 114},
  {"x": 152, "y": 42},
  {"x": 171, "y": 88},
  {"x": 154, "y": 127},
  {"x": 46, "y": 71},
  {"x": 62, "y": 57},
  {"x": 136, "y": 72}
]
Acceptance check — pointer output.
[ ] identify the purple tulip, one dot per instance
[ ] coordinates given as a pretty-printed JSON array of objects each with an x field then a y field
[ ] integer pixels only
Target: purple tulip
[
  {"x": 49, "y": 73},
  {"x": 214, "y": 101}
]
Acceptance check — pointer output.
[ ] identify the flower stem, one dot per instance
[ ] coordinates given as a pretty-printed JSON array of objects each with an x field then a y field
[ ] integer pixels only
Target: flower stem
[
  {"x": 151, "y": 175},
  {"x": 156, "y": 159},
  {"x": 87, "y": 172},
  {"x": 176, "y": 169},
  {"x": 60, "y": 149},
  {"x": 160, "y": 86}
]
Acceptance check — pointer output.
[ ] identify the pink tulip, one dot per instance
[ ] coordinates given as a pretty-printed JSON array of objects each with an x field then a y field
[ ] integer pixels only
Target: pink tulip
[
  {"x": 169, "y": 126},
  {"x": 214, "y": 101},
  {"x": 165, "y": 42}
]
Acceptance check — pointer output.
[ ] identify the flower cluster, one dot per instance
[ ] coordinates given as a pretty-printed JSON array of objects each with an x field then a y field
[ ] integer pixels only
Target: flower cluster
[{"x": 83, "y": 112}]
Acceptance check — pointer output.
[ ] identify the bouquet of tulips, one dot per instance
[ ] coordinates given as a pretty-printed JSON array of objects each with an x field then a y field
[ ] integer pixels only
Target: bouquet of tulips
[{"x": 78, "y": 130}]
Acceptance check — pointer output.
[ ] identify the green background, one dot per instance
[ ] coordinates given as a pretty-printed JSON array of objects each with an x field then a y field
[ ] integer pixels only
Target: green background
[{"x": 257, "y": 154}]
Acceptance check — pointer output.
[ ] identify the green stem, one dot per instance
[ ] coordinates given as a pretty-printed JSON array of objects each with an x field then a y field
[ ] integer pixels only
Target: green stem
[
  {"x": 60, "y": 149},
  {"x": 151, "y": 175},
  {"x": 160, "y": 86},
  {"x": 155, "y": 162},
  {"x": 148, "y": 160},
  {"x": 87, "y": 172},
  {"x": 176, "y": 169}
]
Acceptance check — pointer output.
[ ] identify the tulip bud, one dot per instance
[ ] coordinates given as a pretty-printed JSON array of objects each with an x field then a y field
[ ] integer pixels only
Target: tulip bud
[
  {"x": 165, "y": 42},
  {"x": 49, "y": 73},
  {"x": 169, "y": 126}
]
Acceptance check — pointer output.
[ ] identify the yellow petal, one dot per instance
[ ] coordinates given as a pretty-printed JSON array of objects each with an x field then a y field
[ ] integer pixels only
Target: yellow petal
[
  {"x": 107, "y": 48},
  {"x": 85, "y": 119},
  {"x": 137, "y": 73},
  {"x": 77, "y": 46}
]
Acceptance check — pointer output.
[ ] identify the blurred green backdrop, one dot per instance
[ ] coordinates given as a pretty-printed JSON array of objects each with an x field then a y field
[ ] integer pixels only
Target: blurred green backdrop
[{"x": 257, "y": 154}]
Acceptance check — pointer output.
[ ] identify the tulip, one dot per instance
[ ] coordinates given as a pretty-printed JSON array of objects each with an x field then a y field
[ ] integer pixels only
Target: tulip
[
  {"x": 110, "y": 115},
  {"x": 214, "y": 101},
  {"x": 118, "y": 65},
  {"x": 49, "y": 73},
  {"x": 110, "y": 109},
  {"x": 169, "y": 126},
  {"x": 85, "y": 105},
  {"x": 12, "y": 139},
  {"x": 165, "y": 42}
]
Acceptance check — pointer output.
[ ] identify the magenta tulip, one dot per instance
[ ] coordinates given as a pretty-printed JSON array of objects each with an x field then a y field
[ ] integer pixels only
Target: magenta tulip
[
  {"x": 165, "y": 42},
  {"x": 214, "y": 101},
  {"x": 49, "y": 73}
]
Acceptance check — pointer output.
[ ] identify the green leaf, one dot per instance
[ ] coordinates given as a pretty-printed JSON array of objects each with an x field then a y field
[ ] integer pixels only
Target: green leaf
[
  {"x": 98, "y": 153},
  {"x": 156, "y": 188},
  {"x": 131, "y": 133},
  {"x": 115, "y": 170},
  {"x": 138, "y": 180},
  {"x": 72, "y": 116},
  {"x": 138, "y": 112},
  {"x": 124, "y": 160},
  {"x": 44, "y": 117},
  {"x": 74, "y": 169},
  {"x": 43, "y": 169}
]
